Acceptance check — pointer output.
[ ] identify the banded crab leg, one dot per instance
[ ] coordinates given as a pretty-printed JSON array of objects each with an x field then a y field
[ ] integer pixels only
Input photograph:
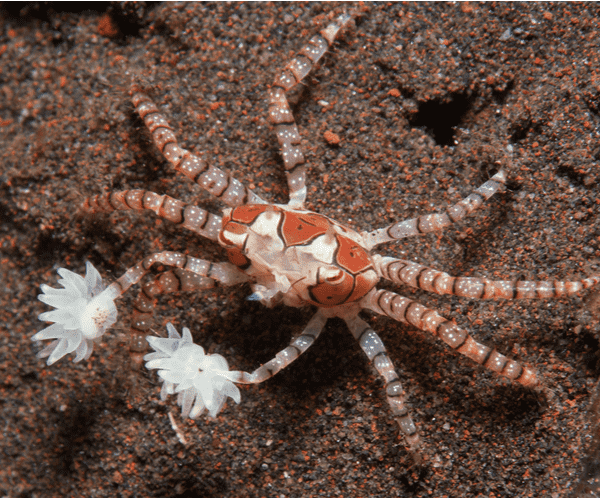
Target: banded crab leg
[
  {"x": 408, "y": 311},
  {"x": 434, "y": 222},
  {"x": 223, "y": 272},
  {"x": 373, "y": 347},
  {"x": 189, "y": 216},
  {"x": 404, "y": 272},
  {"x": 217, "y": 182},
  {"x": 284, "y": 357},
  {"x": 171, "y": 281},
  {"x": 281, "y": 115},
  {"x": 190, "y": 273}
]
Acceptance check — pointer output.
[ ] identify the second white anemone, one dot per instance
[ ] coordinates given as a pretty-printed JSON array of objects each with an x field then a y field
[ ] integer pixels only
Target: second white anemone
[{"x": 200, "y": 380}]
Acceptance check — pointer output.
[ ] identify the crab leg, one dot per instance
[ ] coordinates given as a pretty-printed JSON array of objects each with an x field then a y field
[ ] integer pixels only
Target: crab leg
[
  {"x": 223, "y": 272},
  {"x": 281, "y": 115},
  {"x": 217, "y": 182},
  {"x": 171, "y": 281},
  {"x": 408, "y": 311},
  {"x": 188, "y": 216},
  {"x": 434, "y": 222},
  {"x": 190, "y": 273},
  {"x": 409, "y": 273},
  {"x": 284, "y": 357},
  {"x": 373, "y": 347}
]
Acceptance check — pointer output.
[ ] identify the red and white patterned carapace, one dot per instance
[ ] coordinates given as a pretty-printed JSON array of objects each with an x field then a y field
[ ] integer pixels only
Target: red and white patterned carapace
[
  {"x": 290, "y": 255},
  {"x": 297, "y": 257}
]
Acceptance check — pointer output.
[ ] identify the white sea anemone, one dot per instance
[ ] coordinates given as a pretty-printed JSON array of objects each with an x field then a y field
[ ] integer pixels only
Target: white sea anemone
[
  {"x": 84, "y": 311},
  {"x": 194, "y": 375}
]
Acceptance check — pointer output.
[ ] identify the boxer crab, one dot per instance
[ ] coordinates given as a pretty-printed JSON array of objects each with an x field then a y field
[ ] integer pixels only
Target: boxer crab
[{"x": 287, "y": 255}]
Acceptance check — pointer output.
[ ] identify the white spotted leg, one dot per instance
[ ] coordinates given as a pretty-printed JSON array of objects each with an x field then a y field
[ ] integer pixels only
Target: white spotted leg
[
  {"x": 224, "y": 272},
  {"x": 404, "y": 272},
  {"x": 286, "y": 356},
  {"x": 171, "y": 281},
  {"x": 183, "y": 214},
  {"x": 408, "y": 311},
  {"x": 189, "y": 274},
  {"x": 373, "y": 347},
  {"x": 281, "y": 115},
  {"x": 435, "y": 222},
  {"x": 217, "y": 182}
]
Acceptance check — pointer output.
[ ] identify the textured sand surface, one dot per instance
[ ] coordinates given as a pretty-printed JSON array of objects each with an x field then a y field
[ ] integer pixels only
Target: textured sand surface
[{"x": 425, "y": 99}]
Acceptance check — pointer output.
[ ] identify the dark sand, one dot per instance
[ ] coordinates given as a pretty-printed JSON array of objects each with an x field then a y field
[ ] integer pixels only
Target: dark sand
[{"x": 425, "y": 99}]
